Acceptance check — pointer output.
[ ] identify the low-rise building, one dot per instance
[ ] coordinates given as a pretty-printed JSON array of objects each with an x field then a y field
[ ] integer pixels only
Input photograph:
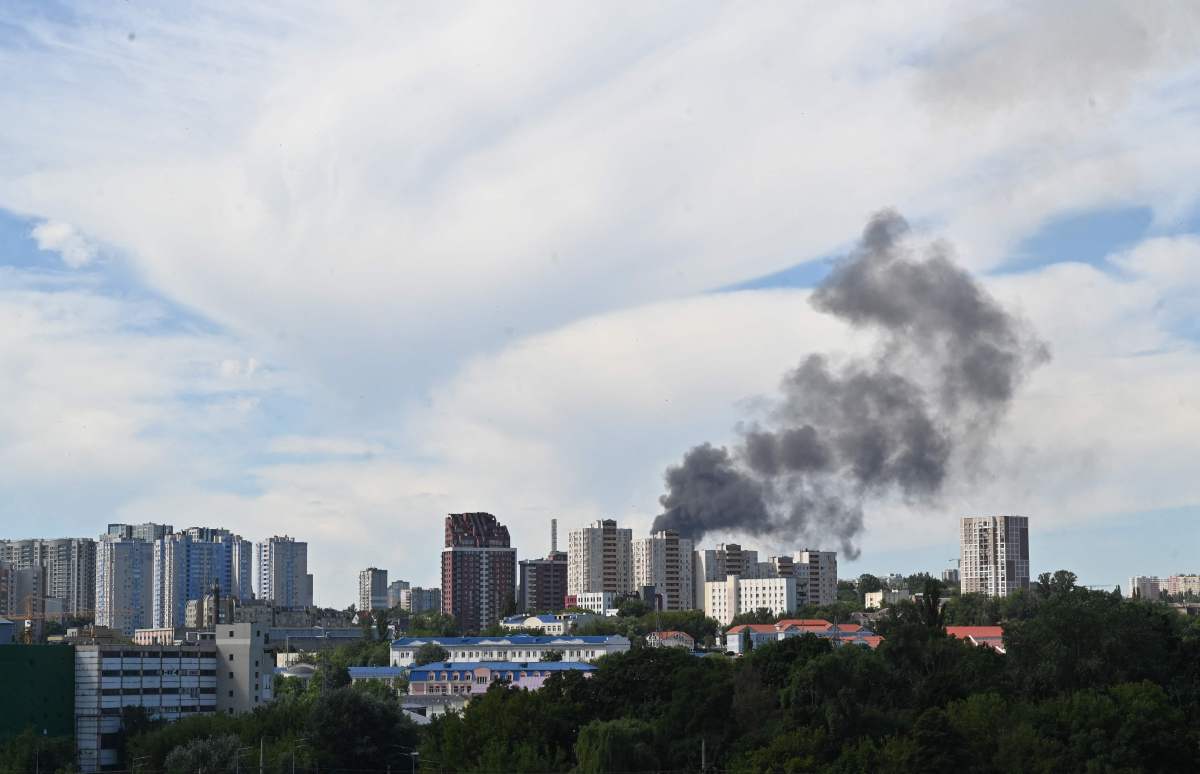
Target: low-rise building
[
  {"x": 876, "y": 600},
  {"x": 162, "y": 636},
  {"x": 744, "y": 637},
  {"x": 671, "y": 639},
  {"x": 392, "y": 677},
  {"x": 547, "y": 623},
  {"x": 516, "y": 648},
  {"x": 986, "y": 636},
  {"x": 600, "y": 602},
  {"x": 471, "y": 678},
  {"x": 227, "y": 673},
  {"x": 727, "y": 599}
]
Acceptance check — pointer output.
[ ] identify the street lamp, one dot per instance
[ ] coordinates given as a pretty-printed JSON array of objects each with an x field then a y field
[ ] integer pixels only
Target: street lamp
[{"x": 295, "y": 742}]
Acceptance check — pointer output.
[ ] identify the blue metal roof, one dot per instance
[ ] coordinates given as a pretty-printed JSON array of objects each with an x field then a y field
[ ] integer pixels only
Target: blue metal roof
[
  {"x": 502, "y": 666},
  {"x": 516, "y": 639},
  {"x": 378, "y": 672}
]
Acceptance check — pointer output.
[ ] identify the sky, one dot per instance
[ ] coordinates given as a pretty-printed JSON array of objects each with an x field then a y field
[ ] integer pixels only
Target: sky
[{"x": 335, "y": 270}]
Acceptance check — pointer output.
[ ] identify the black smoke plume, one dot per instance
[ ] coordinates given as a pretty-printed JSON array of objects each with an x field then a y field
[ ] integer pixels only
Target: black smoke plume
[{"x": 949, "y": 362}]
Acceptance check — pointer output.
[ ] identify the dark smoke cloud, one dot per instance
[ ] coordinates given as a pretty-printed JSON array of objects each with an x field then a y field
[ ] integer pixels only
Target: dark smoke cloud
[{"x": 949, "y": 363}]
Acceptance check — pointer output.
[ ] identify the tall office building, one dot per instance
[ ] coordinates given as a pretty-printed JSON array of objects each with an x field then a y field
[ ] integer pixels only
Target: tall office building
[
  {"x": 395, "y": 590},
  {"x": 664, "y": 561},
  {"x": 994, "y": 554},
  {"x": 542, "y": 583},
  {"x": 189, "y": 564},
  {"x": 479, "y": 570},
  {"x": 68, "y": 570},
  {"x": 281, "y": 567},
  {"x": 124, "y": 583},
  {"x": 816, "y": 576},
  {"x": 372, "y": 589},
  {"x": 600, "y": 558}
]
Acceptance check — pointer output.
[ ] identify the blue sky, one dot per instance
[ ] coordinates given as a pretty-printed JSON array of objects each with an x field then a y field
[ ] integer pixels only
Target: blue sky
[{"x": 339, "y": 272}]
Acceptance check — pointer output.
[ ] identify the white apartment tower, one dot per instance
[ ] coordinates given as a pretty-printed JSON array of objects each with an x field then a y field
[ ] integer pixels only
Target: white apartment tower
[
  {"x": 124, "y": 583},
  {"x": 994, "y": 554},
  {"x": 817, "y": 571},
  {"x": 664, "y": 561},
  {"x": 282, "y": 570},
  {"x": 600, "y": 558},
  {"x": 372, "y": 589},
  {"x": 716, "y": 564}
]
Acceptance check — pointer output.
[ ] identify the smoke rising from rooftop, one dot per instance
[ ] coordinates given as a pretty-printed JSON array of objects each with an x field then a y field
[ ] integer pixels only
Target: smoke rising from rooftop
[{"x": 844, "y": 431}]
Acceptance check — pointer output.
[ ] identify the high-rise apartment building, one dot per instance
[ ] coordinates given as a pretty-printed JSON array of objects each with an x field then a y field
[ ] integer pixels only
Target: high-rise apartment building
[
  {"x": 726, "y": 599},
  {"x": 716, "y": 564},
  {"x": 1183, "y": 585},
  {"x": 542, "y": 583},
  {"x": 148, "y": 531},
  {"x": 68, "y": 570},
  {"x": 281, "y": 570},
  {"x": 817, "y": 570},
  {"x": 1143, "y": 587},
  {"x": 994, "y": 554},
  {"x": 190, "y": 564},
  {"x": 124, "y": 583},
  {"x": 600, "y": 558},
  {"x": 394, "y": 590},
  {"x": 372, "y": 589},
  {"x": 479, "y": 570},
  {"x": 419, "y": 600},
  {"x": 664, "y": 561}
]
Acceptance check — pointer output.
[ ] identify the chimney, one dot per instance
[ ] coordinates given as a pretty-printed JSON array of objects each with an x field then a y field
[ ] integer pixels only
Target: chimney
[{"x": 553, "y": 535}]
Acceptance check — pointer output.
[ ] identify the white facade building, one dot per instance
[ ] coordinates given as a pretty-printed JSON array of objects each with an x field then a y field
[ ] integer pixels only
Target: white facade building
[
  {"x": 124, "y": 584},
  {"x": 600, "y": 558},
  {"x": 664, "y": 561},
  {"x": 874, "y": 600},
  {"x": 716, "y": 564},
  {"x": 994, "y": 554},
  {"x": 1143, "y": 587},
  {"x": 281, "y": 567},
  {"x": 1181, "y": 585},
  {"x": 518, "y": 647},
  {"x": 724, "y": 600},
  {"x": 819, "y": 575}
]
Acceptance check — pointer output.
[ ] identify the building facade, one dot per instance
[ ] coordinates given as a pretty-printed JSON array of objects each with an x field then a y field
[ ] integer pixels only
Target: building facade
[
  {"x": 725, "y": 600},
  {"x": 281, "y": 572},
  {"x": 1183, "y": 585},
  {"x": 124, "y": 583},
  {"x": 68, "y": 570},
  {"x": 394, "y": 593},
  {"x": 994, "y": 554},
  {"x": 419, "y": 600},
  {"x": 1143, "y": 587},
  {"x": 600, "y": 558},
  {"x": 716, "y": 564},
  {"x": 474, "y": 678},
  {"x": 479, "y": 570},
  {"x": 372, "y": 589},
  {"x": 542, "y": 584},
  {"x": 190, "y": 564},
  {"x": 517, "y": 647},
  {"x": 664, "y": 561},
  {"x": 819, "y": 575}
]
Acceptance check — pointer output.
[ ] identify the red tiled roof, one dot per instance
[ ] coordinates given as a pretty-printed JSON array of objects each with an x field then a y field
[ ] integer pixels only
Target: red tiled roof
[
  {"x": 820, "y": 623},
  {"x": 871, "y": 642},
  {"x": 976, "y": 632},
  {"x": 669, "y": 634},
  {"x": 848, "y": 627},
  {"x": 768, "y": 628}
]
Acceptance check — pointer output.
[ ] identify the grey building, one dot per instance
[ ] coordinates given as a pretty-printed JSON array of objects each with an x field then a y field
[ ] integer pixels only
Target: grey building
[{"x": 994, "y": 554}]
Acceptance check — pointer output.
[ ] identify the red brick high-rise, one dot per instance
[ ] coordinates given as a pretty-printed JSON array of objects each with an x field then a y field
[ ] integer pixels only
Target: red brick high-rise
[{"x": 479, "y": 570}]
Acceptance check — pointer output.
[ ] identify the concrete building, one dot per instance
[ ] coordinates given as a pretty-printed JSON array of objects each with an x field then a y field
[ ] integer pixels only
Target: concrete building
[
  {"x": 394, "y": 590},
  {"x": 148, "y": 532},
  {"x": 664, "y": 562},
  {"x": 542, "y": 583},
  {"x": 716, "y": 564},
  {"x": 600, "y": 558},
  {"x": 153, "y": 636},
  {"x": 1143, "y": 587},
  {"x": 372, "y": 589},
  {"x": 202, "y": 613},
  {"x": 670, "y": 639},
  {"x": 1183, "y": 585},
  {"x": 281, "y": 572},
  {"x": 517, "y": 647},
  {"x": 600, "y": 602},
  {"x": 124, "y": 583},
  {"x": 725, "y": 600},
  {"x": 68, "y": 569},
  {"x": 471, "y": 678},
  {"x": 228, "y": 673},
  {"x": 739, "y": 638},
  {"x": 994, "y": 554},
  {"x": 820, "y": 575},
  {"x": 190, "y": 564},
  {"x": 875, "y": 600},
  {"x": 546, "y": 623},
  {"x": 419, "y": 600},
  {"x": 7, "y": 628},
  {"x": 479, "y": 570},
  {"x": 950, "y": 575}
]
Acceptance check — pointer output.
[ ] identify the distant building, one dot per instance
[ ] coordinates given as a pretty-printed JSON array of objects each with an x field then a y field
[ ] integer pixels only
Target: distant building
[
  {"x": 987, "y": 636},
  {"x": 372, "y": 589},
  {"x": 153, "y": 636},
  {"x": 875, "y": 600},
  {"x": 716, "y": 564},
  {"x": 817, "y": 570},
  {"x": 725, "y": 600},
  {"x": 950, "y": 575},
  {"x": 1182, "y": 585},
  {"x": 600, "y": 602},
  {"x": 419, "y": 600},
  {"x": 1143, "y": 587},
  {"x": 124, "y": 583},
  {"x": 664, "y": 562},
  {"x": 546, "y": 623},
  {"x": 148, "y": 532},
  {"x": 6, "y": 631},
  {"x": 994, "y": 554},
  {"x": 190, "y": 563},
  {"x": 600, "y": 558},
  {"x": 281, "y": 571},
  {"x": 67, "y": 571},
  {"x": 516, "y": 647},
  {"x": 479, "y": 570},
  {"x": 468, "y": 678},
  {"x": 394, "y": 590},
  {"x": 742, "y": 637},
  {"x": 202, "y": 613},
  {"x": 671, "y": 639},
  {"x": 542, "y": 583}
]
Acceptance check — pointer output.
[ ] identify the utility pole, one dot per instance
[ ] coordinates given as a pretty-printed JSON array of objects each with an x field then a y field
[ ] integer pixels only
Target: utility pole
[
  {"x": 260, "y": 755},
  {"x": 703, "y": 757}
]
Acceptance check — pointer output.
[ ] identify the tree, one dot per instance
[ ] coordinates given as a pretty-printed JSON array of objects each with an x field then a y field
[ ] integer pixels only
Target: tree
[
  {"x": 430, "y": 653},
  {"x": 631, "y": 607},
  {"x": 868, "y": 584},
  {"x": 381, "y": 625},
  {"x": 931, "y": 604},
  {"x": 624, "y": 744},
  {"x": 218, "y": 753},
  {"x": 351, "y": 729},
  {"x": 552, "y": 655}
]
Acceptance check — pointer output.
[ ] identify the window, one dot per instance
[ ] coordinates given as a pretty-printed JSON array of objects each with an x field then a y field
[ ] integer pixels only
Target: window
[
  {"x": 231, "y": 675},
  {"x": 231, "y": 657}
]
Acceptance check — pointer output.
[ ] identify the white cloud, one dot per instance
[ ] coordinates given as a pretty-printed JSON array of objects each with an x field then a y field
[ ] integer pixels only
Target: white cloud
[{"x": 64, "y": 239}]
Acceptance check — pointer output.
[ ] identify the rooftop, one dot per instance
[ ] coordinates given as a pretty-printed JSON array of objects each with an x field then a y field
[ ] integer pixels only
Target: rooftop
[
  {"x": 515, "y": 639},
  {"x": 503, "y": 666}
]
